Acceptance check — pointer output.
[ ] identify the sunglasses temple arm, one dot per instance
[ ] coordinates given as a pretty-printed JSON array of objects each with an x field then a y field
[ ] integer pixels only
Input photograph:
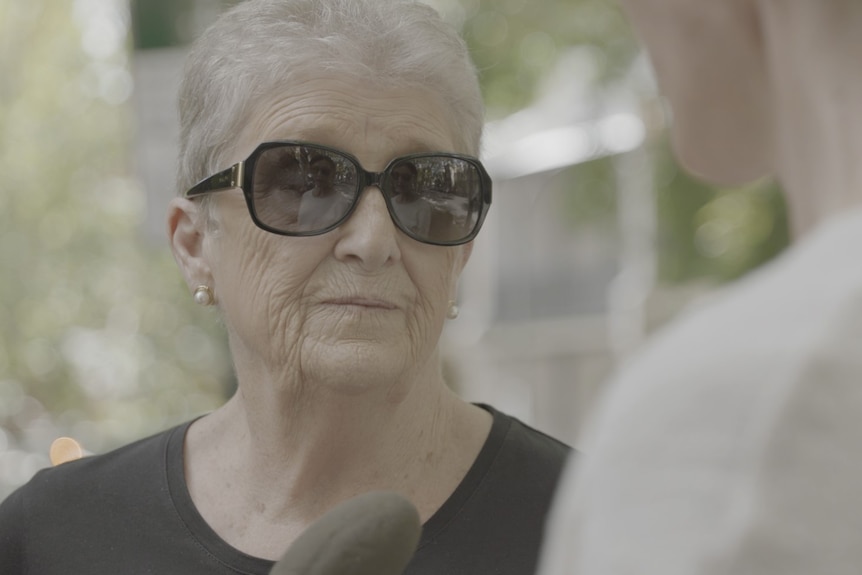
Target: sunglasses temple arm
[{"x": 224, "y": 180}]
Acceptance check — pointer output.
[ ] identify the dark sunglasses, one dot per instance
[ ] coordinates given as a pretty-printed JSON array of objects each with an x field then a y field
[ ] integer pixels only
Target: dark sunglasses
[{"x": 301, "y": 189}]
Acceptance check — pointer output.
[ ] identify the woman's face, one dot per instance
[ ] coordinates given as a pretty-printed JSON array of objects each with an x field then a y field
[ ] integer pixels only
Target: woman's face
[{"x": 358, "y": 305}]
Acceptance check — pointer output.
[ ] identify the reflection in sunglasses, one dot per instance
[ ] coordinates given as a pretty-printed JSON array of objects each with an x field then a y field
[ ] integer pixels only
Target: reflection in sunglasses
[{"x": 300, "y": 189}]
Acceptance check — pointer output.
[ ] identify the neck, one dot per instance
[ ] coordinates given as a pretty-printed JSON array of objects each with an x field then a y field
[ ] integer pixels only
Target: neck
[
  {"x": 331, "y": 448},
  {"x": 298, "y": 446},
  {"x": 814, "y": 50}
]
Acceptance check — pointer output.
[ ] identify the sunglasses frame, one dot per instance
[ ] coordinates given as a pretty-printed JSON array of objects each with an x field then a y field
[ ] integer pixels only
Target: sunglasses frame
[{"x": 240, "y": 176}]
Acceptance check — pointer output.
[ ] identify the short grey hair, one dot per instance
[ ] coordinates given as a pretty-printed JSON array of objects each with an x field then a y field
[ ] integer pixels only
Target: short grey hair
[{"x": 254, "y": 49}]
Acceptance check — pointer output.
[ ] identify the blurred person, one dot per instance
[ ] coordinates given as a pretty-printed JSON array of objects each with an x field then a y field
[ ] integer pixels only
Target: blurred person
[
  {"x": 404, "y": 182},
  {"x": 322, "y": 203},
  {"x": 333, "y": 328},
  {"x": 733, "y": 443},
  {"x": 281, "y": 170},
  {"x": 323, "y": 175}
]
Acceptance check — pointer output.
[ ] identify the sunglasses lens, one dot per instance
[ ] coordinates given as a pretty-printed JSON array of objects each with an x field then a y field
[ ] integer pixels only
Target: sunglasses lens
[
  {"x": 302, "y": 189},
  {"x": 436, "y": 198}
]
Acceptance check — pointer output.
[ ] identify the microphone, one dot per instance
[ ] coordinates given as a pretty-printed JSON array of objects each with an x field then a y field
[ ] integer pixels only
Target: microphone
[{"x": 372, "y": 534}]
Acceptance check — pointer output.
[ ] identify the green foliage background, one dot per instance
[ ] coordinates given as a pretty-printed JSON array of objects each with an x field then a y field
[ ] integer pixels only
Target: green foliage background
[
  {"x": 704, "y": 232},
  {"x": 98, "y": 336}
]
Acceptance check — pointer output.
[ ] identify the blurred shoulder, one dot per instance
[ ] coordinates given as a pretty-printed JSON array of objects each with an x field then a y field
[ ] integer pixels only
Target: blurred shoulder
[
  {"x": 724, "y": 370},
  {"x": 741, "y": 418},
  {"x": 767, "y": 326}
]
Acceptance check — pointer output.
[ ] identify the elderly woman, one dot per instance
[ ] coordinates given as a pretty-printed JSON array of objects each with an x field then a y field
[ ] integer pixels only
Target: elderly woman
[{"x": 333, "y": 320}]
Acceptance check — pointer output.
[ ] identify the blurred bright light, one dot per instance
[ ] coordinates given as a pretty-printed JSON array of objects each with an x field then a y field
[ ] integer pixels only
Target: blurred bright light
[
  {"x": 122, "y": 197},
  {"x": 104, "y": 26},
  {"x": 109, "y": 82},
  {"x": 621, "y": 133},
  {"x": 18, "y": 466},
  {"x": 713, "y": 238},
  {"x": 106, "y": 365},
  {"x": 558, "y": 148},
  {"x": 115, "y": 85},
  {"x": 11, "y": 398},
  {"x": 548, "y": 150}
]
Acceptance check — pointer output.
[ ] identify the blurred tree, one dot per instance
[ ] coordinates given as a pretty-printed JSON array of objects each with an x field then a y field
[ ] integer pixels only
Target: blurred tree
[
  {"x": 166, "y": 23},
  {"x": 157, "y": 23},
  {"x": 704, "y": 232},
  {"x": 515, "y": 43},
  {"x": 712, "y": 233},
  {"x": 98, "y": 337}
]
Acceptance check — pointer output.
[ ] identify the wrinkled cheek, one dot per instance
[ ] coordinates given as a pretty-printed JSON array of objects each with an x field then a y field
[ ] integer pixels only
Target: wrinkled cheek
[
  {"x": 267, "y": 319},
  {"x": 424, "y": 326},
  {"x": 283, "y": 323},
  {"x": 282, "y": 331}
]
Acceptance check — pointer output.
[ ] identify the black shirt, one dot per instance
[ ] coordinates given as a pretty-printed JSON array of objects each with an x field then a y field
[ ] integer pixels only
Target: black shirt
[{"x": 129, "y": 511}]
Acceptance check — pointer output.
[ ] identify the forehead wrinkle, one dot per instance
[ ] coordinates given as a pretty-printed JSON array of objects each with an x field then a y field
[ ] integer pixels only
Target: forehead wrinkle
[
  {"x": 332, "y": 114},
  {"x": 328, "y": 124}
]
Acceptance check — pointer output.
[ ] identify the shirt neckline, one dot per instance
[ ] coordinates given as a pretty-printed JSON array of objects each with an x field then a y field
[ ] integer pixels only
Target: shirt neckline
[{"x": 240, "y": 562}]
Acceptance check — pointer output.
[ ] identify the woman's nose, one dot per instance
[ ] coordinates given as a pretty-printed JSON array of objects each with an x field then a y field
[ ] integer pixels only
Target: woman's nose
[{"x": 369, "y": 236}]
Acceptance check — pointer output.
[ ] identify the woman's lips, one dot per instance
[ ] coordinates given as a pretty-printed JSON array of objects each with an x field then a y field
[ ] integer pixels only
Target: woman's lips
[{"x": 363, "y": 302}]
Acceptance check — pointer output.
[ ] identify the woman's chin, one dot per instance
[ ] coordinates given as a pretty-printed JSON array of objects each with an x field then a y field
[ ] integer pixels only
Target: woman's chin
[{"x": 357, "y": 367}]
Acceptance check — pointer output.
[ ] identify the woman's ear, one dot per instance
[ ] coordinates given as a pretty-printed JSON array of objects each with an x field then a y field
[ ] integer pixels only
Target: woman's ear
[{"x": 186, "y": 232}]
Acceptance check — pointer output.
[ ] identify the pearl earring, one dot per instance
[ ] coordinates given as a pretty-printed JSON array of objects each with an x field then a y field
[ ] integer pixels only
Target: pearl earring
[
  {"x": 204, "y": 295},
  {"x": 453, "y": 311}
]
